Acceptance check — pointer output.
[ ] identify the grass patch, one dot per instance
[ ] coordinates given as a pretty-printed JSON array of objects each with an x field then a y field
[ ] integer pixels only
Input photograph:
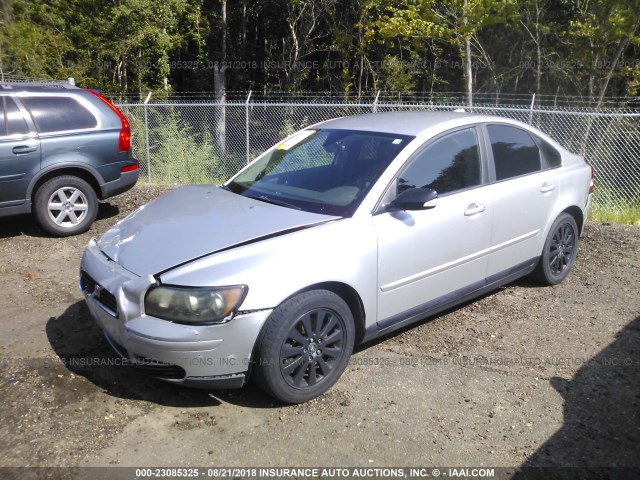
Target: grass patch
[
  {"x": 608, "y": 207},
  {"x": 628, "y": 216}
]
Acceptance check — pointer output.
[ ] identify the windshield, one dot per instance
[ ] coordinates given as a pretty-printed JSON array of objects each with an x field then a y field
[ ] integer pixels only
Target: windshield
[{"x": 320, "y": 171}]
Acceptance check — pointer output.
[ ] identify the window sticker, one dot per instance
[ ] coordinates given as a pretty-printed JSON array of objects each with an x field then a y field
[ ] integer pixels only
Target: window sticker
[{"x": 296, "y": 139}]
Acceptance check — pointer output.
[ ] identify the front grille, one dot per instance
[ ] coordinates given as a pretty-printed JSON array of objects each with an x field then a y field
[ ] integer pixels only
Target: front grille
[{"x": 101, "y": 295}]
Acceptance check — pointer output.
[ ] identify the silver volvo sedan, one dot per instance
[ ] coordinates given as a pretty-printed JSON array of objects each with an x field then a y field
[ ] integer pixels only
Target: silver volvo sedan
[{"x": 343, "y": 232}]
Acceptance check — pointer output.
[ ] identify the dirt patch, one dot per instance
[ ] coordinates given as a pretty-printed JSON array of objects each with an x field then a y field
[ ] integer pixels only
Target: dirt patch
[{"x": 524, "y": 375}]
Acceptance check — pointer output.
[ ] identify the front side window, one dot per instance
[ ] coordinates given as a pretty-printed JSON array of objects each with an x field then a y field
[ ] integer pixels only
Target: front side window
[
  {"x": 57, "y": 114},
  {"x": 514, "y": 151},
  {"x": 448, "y": 164},
  {"x": 321, "y": 171}
]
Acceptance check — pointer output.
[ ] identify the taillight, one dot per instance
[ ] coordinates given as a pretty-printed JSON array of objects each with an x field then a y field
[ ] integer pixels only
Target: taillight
[
  {"x": 129, "y": 168},
  {"x": 124, "y": 142},
  {"x": 593, "y": 178}
]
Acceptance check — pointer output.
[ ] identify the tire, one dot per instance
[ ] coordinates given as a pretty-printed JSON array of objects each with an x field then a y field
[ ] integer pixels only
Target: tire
[
  {"x": 65, "y": 206},
  {"x": 559, "y": 253},
  {"x": 304, "y": 346}
]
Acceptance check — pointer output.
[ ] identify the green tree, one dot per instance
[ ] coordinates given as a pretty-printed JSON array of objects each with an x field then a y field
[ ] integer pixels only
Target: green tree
[
  {"x": 34, "y": 42},
  {"x": 599, "y": 36},
  {"x": 140, "y": 37},
  {"x": 458, "y": 22}
]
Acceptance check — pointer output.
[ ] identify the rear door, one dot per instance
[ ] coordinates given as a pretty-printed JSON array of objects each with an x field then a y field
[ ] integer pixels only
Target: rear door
[
  {"x": 524, "y": 193},
  {"x": 19, "y": 153},
  {"x": 426, "y": 256}
]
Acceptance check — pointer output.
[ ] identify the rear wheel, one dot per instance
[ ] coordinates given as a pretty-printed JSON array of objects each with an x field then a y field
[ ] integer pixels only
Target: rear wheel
[
  {"x": 305, "y": 346},
  {"x": 559, "y": 251},
  {"x": 65, "y": 205}
]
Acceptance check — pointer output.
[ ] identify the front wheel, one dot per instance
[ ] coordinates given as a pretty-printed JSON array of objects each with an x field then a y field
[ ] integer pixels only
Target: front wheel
[
  {"x": 559, "y": 251},
  {"x": 65, "y": 206},
  {"x": 305, "y": 346}
]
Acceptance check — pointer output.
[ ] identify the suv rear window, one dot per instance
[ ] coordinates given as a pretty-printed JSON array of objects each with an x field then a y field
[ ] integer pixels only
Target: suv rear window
[{"x": 55, "y": 114}]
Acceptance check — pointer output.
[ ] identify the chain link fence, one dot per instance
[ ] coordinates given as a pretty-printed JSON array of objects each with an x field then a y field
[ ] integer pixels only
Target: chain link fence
[{"x": 206, "y": 142}]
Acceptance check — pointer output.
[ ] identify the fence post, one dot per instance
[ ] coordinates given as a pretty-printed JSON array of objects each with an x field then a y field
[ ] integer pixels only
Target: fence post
[
  {"x": 246, "y": 125},
  {"x": 146, "y": 136},
  {"x": 375, "y": 102},
  {"x": 533, "y": 100}
]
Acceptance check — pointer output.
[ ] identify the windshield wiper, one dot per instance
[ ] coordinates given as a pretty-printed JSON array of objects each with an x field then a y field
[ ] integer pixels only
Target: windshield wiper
[{"x": 274, "y": 201}]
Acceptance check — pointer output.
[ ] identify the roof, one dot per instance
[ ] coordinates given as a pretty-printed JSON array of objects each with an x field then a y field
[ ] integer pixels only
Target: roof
[{"x": 401, "y": 123}]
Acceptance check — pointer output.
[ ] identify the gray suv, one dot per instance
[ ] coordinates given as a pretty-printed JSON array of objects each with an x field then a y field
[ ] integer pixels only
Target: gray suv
[{"x": 61, "y": 149}]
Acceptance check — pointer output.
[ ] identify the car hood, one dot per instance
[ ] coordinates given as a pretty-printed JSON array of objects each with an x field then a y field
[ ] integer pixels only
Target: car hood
[{"x": 193, "y": 221}]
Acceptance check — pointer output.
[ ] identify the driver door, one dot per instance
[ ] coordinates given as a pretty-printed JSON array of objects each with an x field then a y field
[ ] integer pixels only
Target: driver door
[{"x": 425, "y": 257}]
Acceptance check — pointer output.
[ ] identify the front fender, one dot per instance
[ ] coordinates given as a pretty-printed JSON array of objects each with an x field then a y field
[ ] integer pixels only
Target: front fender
[{"x": 343, "y": 251}]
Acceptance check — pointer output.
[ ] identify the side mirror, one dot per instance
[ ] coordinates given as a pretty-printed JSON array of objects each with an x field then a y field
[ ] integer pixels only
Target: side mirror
[{"x": 414, "y": 199}]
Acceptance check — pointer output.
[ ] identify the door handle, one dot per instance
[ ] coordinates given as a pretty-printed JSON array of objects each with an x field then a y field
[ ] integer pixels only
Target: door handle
[
  {"x": 547, "y": 187},
  {"x": 474, "y": 209},
  {"x": 23, "y": 149}
]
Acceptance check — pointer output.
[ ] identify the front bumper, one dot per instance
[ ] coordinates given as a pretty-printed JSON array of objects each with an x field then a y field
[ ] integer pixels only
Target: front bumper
[{"x": 211, "y": 356}]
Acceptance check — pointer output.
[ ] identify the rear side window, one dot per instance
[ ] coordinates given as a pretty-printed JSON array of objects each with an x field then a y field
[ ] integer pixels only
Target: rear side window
[
  {"x": 450, "y": 163},
  {"x": 14, "y": 123},
  {"x": 55, "y": 114},
  {"x": 514, "y": 151},
  {"x": 550, "y": 156}
]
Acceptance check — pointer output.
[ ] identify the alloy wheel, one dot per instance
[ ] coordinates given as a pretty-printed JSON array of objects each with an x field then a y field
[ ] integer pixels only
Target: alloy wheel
[
  {"x": 313, "y": 347},
  {"x": 561, "y": 249},
  {"x": 67, "y": 206}
]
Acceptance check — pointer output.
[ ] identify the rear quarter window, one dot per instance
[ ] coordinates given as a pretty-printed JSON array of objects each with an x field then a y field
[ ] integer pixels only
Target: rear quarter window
[
  {"x": 55, "y": 114},
  {"x": 551, "y": 158}
]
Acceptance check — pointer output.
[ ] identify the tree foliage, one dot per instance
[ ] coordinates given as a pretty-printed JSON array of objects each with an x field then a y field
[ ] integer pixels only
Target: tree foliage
[{"x": 574, "y": 47}]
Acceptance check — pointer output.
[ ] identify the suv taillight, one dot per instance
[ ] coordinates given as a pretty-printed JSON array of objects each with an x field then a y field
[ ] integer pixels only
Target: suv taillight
[
  {"x": 593, "y": 178},
  {"x": 124, "y": 143}
]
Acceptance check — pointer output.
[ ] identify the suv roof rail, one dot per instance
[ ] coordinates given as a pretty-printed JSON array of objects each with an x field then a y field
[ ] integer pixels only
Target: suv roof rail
[{"x": 4, "y": 78}]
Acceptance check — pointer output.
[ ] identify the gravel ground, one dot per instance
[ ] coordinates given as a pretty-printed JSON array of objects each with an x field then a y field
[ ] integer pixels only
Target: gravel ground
[{"x": 522, "y": 376}]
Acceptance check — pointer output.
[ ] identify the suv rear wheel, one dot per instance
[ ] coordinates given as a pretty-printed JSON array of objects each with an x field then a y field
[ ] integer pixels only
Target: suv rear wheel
[{"x": 65, "y": 206}]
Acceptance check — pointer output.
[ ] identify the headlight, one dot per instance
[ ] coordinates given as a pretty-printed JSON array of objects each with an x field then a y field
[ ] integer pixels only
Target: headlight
[{"x": 194, "y": 304}]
